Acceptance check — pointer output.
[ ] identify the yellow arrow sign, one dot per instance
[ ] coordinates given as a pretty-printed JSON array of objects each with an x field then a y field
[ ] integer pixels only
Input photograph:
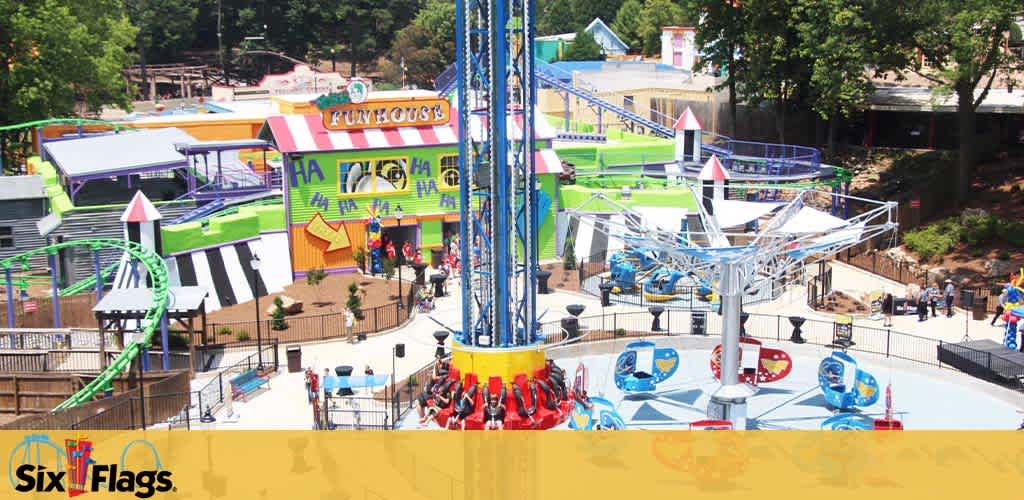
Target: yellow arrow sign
[{"x": 319, "y": 228}]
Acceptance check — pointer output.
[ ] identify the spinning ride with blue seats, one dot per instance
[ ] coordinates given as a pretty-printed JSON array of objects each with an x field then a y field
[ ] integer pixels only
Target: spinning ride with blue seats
[
  {"x": 625, "y": 264},
  {"x": 661, "y": 285},
  {"x": 844, "y": 385},
  {"x": 848, "y": 422},
  {"x": 642, "y": 366},
  {"x": 595, "y": 414}
]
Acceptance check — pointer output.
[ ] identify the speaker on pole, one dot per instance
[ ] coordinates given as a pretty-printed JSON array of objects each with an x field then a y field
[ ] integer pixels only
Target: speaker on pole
[
  {"x": 967, "y": 299},
  {"x": 399, "y": 350}
]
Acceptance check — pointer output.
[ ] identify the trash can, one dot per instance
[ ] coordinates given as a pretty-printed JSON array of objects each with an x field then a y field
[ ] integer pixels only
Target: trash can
[
  {"x": 420, "y": 274},
  {"x": 571, "y": 325},
  {"x": 606, "y": 293},
  {"x": 294, "y": 355},
  {"x": 438, "y": 281},
  {"x": 436, "y": 257},
  {"x": 542, "y": 282},
  {"x": 979, "y": 311}
]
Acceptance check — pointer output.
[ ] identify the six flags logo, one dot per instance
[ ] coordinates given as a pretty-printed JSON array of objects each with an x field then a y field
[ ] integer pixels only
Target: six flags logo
[{"x": 81, "y": 473}]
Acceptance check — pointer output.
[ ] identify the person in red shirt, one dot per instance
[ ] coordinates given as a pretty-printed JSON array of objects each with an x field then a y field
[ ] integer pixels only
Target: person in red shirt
[{"x": 314, "y": 385}]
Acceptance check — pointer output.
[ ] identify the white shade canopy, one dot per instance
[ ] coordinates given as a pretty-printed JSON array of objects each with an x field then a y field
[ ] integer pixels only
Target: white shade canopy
[
  {"x": 729, "y": 213},
  {"x": 809, "y": 221}
]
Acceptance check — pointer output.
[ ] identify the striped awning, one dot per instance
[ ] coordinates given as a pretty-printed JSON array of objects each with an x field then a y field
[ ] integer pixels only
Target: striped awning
[
  {"x": 306, "y": 134},
  {"x": 547, "y": 161}
]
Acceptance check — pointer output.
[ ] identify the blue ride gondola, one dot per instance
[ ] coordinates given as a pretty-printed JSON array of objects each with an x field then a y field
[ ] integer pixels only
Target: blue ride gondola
[
  {"x": 643, "y": 365},
  {"x": 595, "y": 414},
  {"x": 844, "y": 384}
]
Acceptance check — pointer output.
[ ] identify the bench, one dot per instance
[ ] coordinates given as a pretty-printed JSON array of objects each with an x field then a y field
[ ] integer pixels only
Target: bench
[{"x": 247, "y": 382}]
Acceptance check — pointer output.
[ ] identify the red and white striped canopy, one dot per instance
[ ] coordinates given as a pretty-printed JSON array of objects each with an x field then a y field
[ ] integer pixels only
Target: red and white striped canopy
[{"x": 307, "y": 134}]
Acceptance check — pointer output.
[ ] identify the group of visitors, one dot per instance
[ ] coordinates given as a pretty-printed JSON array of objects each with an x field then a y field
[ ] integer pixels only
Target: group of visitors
[
  {"x": 924, "y": 298},
  {"x": 314, "y": 382}
]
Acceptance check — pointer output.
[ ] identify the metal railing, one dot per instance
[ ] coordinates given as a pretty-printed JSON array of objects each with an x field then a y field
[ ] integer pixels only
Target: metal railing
[{"x": 309, "y": 328}]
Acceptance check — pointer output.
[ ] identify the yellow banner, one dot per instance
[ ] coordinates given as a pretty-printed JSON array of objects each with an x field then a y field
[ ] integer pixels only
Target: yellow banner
[
  {"x": 521, "y": 465},
  {"x": 387, "y": 114}
]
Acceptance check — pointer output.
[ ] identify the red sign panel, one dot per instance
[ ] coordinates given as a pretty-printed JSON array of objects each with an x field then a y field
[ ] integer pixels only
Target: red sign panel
[
  {"x": 30, "y": 306},
  {"x": 915, "y": 203}
]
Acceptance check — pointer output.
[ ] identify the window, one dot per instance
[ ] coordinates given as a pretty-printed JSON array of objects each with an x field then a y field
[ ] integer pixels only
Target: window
[
  {"x": 6, "y": 237},
  {"x": 385, "y": 175},
  {"x": 448, "y": 174}
]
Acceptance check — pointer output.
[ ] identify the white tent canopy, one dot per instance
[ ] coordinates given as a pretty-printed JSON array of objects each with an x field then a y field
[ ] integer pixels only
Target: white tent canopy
[
  {"x": 729, "y": 213},
  {"x": 810, "y": 221},
  {"x": 664, "y": 218}
]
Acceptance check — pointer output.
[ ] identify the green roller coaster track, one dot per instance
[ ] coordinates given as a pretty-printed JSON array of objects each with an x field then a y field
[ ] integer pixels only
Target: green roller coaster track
[
  {"x": 69, "y": 121},
  {"x": 157, "y": 270}
]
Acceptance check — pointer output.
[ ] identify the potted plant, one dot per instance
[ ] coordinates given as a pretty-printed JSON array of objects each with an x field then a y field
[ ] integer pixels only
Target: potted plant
[{"x": 360, "y": 257}]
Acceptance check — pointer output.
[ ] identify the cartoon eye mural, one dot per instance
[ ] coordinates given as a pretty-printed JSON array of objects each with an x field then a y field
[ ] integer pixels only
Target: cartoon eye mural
[
  {"x": 392, "y": 173},
  {"x": 380, "y": 176}
]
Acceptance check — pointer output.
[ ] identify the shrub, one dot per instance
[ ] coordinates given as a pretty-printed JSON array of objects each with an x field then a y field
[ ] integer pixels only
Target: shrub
[
  {"x": 277, "y": 321},
  {"x": 569, "y": 255},
  {"x": 223, "y": 331},
  {"x": 354, "y": 303},
  {"x": 360, "y": 258},
  {"x": 979, "y": 229},
  {"x": 242, "y": 335},
  {"x": 934, "y": 239},
  {"x": 1004, "y": 255},
  {"x": 977, "y": 252},
  {"x": 620, "y": 332}
]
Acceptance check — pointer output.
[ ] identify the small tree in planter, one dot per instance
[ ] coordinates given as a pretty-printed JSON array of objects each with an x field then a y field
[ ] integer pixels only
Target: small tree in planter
[
  {"x": 354, "y": 303},
  {"x": 360, "y": 257},
  {"x": 569, "y": 255},
  {"x": 315, "y": 278},
  {"x": 242, "y": 335},
  {"x": 277, "y": 321}
]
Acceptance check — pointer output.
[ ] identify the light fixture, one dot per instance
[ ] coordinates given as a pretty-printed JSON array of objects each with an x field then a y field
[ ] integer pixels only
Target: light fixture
[{"x": 255, "y": 263}]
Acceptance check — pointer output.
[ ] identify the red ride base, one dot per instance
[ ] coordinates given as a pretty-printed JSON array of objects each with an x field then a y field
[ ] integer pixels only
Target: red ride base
[
  {"x": 543, "y": 418},
  {"x": 882, "y": 424}
]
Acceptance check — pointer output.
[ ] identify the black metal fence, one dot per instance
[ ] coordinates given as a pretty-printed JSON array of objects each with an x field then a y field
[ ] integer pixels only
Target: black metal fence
[
  {"x": 314, "y": 327},
  {"x": 357, "y": 413}
]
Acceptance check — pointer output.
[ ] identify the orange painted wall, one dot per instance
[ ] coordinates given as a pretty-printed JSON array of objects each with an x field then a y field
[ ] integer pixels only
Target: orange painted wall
[{"x": 308, "y": 252}]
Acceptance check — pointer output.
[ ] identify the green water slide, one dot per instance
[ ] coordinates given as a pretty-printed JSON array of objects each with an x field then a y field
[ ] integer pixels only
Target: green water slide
[
  {"x": 62, "y": 121},
  {"x": 157, "y": 270}
]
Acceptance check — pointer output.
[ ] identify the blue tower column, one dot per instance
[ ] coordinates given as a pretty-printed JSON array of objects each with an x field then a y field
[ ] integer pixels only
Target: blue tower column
[
  {"x": 465, "y": 245},
  {"x": 51, "y": 259},
  {"x": 10, "y": 297},
  {"x": 145, "y": 358},
  {"x": 166, "y": 357}
]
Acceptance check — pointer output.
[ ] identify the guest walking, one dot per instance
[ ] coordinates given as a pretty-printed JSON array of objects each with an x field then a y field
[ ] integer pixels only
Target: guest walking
[
  {"x": 922, "y": 303},
  {"x": 1000, "y": 306},
  {"x": 888, "y": 308},
  {"x": 950, "y": 292}
]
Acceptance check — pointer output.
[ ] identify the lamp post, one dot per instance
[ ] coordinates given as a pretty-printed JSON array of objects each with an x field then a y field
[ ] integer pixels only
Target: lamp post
[
  {"x": 334, "y": 66},
  {"x": 255, "y": 265},
  {"x": 398, "y": 256}
]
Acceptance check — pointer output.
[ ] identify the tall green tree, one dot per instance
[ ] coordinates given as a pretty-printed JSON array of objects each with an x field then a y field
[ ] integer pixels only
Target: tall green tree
[
  {"x": 56, "y": 53},
  {"x": 166, "y": 27},
  {"x": 625, "y": 24},
  {"x": 773, "y": 68},
  {"x": 962, "y": 42},
  {"x": 585, "y": 11},
  {"x": 720, "y": 38},
  {"x": 426, "y": 47},
  {"x": 583, "y": 48},
  {"x": 840, "y": 38},
  {"x": 655, "y": 15},
  {"x": 555, "y": 17},
  {"x": 366, "y": 27}
]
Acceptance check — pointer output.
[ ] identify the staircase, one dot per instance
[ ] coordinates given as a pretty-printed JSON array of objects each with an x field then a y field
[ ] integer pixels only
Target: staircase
[{"x": 199, "y": 212}]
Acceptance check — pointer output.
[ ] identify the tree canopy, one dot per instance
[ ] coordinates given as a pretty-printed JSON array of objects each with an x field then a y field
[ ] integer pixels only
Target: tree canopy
[
  {"x": 583, "y": 48},
  {"x": 655, "y": 15},
  {"x": 59, "y": 53},
  {"x": 626, "y": 23}
]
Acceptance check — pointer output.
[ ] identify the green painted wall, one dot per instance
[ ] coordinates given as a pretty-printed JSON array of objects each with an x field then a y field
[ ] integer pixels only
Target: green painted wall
[
  {"x": 248, "y": 223},
  {"x": 546, "y": 235},
  {"x": 310, "y": 192},
  {"x": 314, "y": 188},
  {"x": 430, "y": 233},
  {"x": 575, "y": 196}
]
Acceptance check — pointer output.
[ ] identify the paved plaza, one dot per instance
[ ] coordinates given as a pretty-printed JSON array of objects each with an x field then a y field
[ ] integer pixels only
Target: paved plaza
[{"x": 930, "y": 399}]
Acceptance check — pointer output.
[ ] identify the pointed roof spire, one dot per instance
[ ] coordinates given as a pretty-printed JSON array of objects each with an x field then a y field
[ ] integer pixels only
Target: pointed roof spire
[
  {"x": 688, "y": 121},
  {"x": 713, "y": 171},
  {"x": 140, "y": 209}
]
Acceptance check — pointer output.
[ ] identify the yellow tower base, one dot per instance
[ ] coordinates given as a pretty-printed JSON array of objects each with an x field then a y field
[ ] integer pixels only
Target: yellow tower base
[{"x": 494, "y": 362}]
